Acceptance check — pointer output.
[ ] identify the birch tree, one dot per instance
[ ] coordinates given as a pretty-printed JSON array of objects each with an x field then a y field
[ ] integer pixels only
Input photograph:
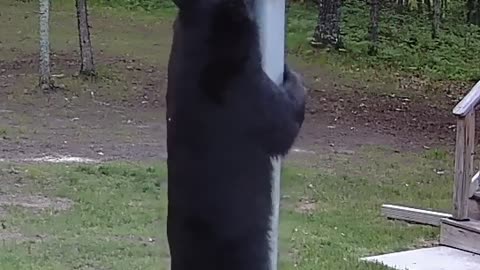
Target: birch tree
[
  {"x": 45, "y": 79},
  {"x": 86, "y": 50}
]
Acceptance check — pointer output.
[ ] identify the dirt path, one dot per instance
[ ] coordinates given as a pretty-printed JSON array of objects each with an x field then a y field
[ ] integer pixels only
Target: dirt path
[
  {"x": 92, "y": 132},
  {"x": 82, "y": 119}
]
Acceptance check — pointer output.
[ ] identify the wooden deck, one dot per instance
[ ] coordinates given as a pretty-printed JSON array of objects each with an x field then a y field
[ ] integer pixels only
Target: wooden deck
[
  {"x": 463, "y": 235},
  {"x": 460, "y": 229}
]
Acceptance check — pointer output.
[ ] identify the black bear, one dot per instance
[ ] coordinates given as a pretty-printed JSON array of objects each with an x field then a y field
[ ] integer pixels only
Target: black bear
[{"x": 226, "y": 120}]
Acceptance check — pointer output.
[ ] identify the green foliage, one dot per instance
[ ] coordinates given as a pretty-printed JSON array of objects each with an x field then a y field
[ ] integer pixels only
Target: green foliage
[
  {"x": 406, "y": 43},
  {"x": 137, "y": 4}
]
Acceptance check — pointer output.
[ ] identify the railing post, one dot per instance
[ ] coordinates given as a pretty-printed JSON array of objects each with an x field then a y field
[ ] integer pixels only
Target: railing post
[{"x": 464, "y": 151}]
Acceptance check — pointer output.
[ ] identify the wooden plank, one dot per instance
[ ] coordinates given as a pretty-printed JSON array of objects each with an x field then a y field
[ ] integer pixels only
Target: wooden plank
[
  {"x": 468, "y": 103},
  {"x": 464, "y": 235},
  {"x": 464, "y": 151},
  {"x": 420, "y": 216},
  {"x": 471, "y": 225},
  {"x": 459, "y": 200}
]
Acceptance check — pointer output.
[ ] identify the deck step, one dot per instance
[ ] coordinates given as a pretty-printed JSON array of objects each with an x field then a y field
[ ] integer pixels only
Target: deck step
[{"x": 463, "y": 235}]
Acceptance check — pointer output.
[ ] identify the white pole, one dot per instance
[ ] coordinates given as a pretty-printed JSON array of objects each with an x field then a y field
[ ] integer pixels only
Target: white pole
[{"x": 270, "y": 16}]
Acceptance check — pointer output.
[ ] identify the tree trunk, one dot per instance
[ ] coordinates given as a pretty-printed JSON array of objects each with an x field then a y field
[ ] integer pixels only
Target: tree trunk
[
  {"x": 428, "y": 5},
  {"x": 374, "y": 21},
  {"x": 45, "y": 82},
  {"x": 420, "y": 6},
  {"x": 477, "y": 13},
  {"x": 327, "y": 31},
  {"x": 443, "y": 9},
  {"x": 436, "y": 18},
  {"x": 471, "y": 11},
  {"x": 400, "y": 5},
  {"x": 86, "y": 51}
]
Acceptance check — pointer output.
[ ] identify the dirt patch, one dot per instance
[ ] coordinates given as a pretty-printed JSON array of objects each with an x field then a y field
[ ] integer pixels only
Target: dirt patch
[
  {"x": 134, "y": 239},
  {"x": 419, "y": 121},
  {"x": 16, "y": 237},
  {"x": 120, "y": 81},
  {"x": 409, "y": 111},
  {"x": 36, "y": 202},
  {"x": 306, "y": 206},
  {"x": 423, "y": 243},
  {"x": 120, "y": 115}
]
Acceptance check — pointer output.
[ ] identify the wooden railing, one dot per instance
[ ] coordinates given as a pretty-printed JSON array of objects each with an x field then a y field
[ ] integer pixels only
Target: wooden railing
[{"x": 466, "y": 184}]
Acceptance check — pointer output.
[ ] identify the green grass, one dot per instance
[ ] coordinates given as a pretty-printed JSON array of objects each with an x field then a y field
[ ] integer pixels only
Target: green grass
[
  {"x": 148, "y": 5},
  {"x": 406, "y": 45},
  {"x": 119, "y": 37},
  {"x": 115, "y": 32},
  {"x": 120, "y": 206}
]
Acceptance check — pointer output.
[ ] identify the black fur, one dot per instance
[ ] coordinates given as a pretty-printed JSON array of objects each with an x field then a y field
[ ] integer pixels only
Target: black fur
[{"x": 226, "y": 119}]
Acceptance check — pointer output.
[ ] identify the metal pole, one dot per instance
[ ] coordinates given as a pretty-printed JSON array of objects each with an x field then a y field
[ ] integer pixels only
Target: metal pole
[{"x": 270, "y": 16}]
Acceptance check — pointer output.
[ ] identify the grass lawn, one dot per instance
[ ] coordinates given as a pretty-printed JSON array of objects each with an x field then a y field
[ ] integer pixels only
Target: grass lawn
[
  {"x": 115, "y": 32},
  {"x": 330, "y": 216}
]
